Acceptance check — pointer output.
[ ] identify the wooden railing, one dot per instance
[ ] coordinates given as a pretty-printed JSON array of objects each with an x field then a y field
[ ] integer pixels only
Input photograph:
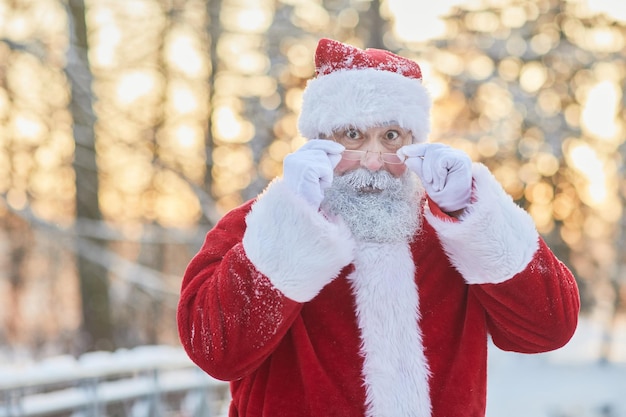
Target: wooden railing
[{"x": 149, "y": 381}]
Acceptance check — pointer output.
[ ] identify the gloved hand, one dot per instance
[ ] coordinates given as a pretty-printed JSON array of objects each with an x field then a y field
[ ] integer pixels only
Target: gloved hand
[
  {"x": 446, "y": 173},
  {"x": 309, "y": 170}
]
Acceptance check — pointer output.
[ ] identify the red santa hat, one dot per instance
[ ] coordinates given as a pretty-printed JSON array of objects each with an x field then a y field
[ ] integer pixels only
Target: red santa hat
[{"x": 363, "y": 88}]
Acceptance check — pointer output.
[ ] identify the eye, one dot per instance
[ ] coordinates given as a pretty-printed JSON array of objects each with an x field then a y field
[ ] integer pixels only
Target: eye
[
  {"x": 353, "y": 134},
  {"x": 392, "y": 135}
]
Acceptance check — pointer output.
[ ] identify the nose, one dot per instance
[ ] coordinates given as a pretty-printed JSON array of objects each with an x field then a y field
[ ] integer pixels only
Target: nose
[{"x": 372, "y": 160}]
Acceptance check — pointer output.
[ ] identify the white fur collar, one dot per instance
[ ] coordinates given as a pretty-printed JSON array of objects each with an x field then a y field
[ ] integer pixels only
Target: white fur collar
[{"x": 395, "y": 369}]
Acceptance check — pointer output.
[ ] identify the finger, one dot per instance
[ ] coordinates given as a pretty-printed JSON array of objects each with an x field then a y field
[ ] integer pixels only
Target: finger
[
  {"x": 435, "y": 165},
  {"x": 332, "y": 149},
  {"x": 460, "y": 162},
  {"x": 414, "y": 150},
  {"x": 444, "y": 164},
  {"x": 311, "y": 163},
  {"x": 325, "y": 176},
  {"x": 415, "y": 164},
  {"x": 334, "y": 159},
  {"x": 430, "y": 171},
  {"x": 328, "y": 146}
]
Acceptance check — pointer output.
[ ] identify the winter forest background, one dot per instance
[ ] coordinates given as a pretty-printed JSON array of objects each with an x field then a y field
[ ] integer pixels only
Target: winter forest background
[{"x": 128, "y": 127}]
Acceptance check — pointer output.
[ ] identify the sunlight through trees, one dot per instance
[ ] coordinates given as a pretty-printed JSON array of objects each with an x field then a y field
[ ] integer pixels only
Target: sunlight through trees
[{"x": 195, "y": 106}]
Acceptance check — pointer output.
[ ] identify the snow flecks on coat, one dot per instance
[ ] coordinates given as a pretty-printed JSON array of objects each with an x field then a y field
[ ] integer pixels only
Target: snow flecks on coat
[
  {"x": 267, "y": 302},
  {"x": 262, "y": 300},
  {"x": 538, "y": 267}
]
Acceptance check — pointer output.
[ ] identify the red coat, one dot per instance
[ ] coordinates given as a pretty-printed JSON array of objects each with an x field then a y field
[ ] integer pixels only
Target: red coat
[{"x": 306, "y": 322}]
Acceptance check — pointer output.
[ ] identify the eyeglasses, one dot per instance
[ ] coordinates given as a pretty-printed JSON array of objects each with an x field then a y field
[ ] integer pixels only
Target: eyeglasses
[{"x": 386, "y": 157}]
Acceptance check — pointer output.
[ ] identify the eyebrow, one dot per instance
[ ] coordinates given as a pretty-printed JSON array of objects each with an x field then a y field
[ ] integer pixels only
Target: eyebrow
[{"x": 390, "y": 123}]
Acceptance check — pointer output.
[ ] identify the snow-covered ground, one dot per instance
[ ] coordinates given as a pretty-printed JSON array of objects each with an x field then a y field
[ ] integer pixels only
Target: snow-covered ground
[{"x": 571, "y": 382}]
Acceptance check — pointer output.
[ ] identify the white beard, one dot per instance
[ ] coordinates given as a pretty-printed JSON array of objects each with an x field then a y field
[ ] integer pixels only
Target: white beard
[{"x": 376, "y": 206}]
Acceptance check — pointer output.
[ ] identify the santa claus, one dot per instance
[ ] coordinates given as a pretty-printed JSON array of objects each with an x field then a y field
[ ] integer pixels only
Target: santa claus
[{"x": 367, "y": 280}]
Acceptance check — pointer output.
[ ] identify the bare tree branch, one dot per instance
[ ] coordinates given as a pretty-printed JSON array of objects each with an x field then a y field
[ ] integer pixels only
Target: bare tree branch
[{"x": 146, "y": 279}]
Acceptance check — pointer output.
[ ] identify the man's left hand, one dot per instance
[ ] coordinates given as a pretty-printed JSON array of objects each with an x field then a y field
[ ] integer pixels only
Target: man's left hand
[{"x": 446, "y": 173}]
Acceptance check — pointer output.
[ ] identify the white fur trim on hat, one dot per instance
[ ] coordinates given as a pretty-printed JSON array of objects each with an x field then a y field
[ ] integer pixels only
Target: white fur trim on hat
[{"x": 362, "y": 98}]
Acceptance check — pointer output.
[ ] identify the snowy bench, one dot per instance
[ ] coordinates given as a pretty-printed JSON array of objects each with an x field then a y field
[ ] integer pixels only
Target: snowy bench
[{"x": 148, "y": 381}]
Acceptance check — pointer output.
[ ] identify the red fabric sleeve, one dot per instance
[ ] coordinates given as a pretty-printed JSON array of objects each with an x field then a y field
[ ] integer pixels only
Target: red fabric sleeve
[
  {"x": 230, "y": 317},
  {"x": 437, "y": 212},
  {"x": 536, "y": 310}
]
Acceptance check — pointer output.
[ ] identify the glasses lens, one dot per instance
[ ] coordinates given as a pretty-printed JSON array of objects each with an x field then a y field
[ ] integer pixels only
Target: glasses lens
[
  {"x": 388, "y": 158},
  {"x": 350, "y": 155},
  {"x": 391, "y": 158}
]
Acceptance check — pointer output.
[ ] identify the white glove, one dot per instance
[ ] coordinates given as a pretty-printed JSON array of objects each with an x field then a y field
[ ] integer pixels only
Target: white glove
[
  {"x": 446, "y": 173},
  {"x": 309, "y": 170}
]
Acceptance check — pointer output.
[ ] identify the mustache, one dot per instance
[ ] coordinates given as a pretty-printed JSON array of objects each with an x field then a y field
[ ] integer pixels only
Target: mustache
[{"x": 363, "y": 178}]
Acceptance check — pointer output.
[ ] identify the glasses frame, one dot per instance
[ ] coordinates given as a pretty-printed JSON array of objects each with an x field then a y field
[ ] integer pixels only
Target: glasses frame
[{"x": 358, "y": 155}]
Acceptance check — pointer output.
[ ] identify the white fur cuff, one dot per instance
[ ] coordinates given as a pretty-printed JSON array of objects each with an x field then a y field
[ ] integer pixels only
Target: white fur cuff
[
  {"x": 295, "y": 246},
  {"x": 495, "y": 238}
]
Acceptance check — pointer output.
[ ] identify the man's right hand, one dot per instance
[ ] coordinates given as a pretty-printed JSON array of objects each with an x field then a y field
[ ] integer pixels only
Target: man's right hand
[{"x": 309, "y": 170}]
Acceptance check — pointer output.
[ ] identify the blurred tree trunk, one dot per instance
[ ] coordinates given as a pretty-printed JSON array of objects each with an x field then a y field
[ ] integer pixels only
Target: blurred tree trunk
[
  {"x": 20, "y": 239},
  {"x": 375, "y": 25},
  {"x": 214, "y": 29},
  {"x": 94, "y": 285},
  {"x": 148, "y": 309}
]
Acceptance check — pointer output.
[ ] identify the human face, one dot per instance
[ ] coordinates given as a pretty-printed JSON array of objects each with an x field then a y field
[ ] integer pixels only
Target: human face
[{"x": 373, "y": 148}]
